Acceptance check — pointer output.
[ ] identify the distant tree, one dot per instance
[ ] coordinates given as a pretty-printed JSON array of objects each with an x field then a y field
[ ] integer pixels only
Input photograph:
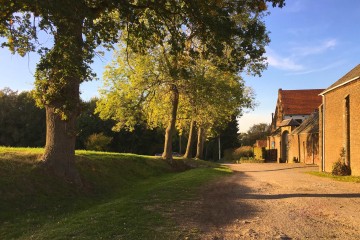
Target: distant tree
[
  {"x": 98, "y": 142},
  {"x": 140, "y": 141},
  {"x": 256, "y": 132},
  {"x": 229, "y": 136},
  {"x": 228, "y": 140},
  {"x": 90, "y": 123},
  {"x": 22, "y": 124},
  {"x": 212, "y": 96}
]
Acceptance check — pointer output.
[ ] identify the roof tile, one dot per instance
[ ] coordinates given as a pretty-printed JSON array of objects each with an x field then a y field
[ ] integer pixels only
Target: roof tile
[{"x": 300, "y": 102}]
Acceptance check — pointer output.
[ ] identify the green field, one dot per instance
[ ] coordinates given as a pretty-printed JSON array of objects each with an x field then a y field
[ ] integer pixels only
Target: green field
[{"x": 126, "y": 196}]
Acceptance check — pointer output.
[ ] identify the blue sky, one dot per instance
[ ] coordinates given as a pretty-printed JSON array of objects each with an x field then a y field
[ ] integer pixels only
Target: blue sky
[{"x": 313, "y": 44}]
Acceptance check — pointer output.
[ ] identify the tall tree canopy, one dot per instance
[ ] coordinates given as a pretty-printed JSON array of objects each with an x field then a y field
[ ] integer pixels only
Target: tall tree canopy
[
  {"x": 142, "y": 89},
  {"x": 78, "y": 27}
]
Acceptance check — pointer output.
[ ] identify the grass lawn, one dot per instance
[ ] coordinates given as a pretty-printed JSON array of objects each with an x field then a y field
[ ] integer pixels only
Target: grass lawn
[
  {"x": 337, "y": 178},
  {"x": 126, "y": 196}
]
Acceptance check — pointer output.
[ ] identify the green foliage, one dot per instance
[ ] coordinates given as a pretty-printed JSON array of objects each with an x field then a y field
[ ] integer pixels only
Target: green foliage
[
  {"x": 21, "y": 122},
  {"x": 229, "y": 136},
  {"x": 250, "y": 160},
  {"x": 245, "y": 151},
  {"x": 126, "y": 196},
  {"x": 237, "y": 153},
  {"x": 214, "y": 97},
  {"x": 136, "y": 91},
  {"x": 340, "y": 168},
  {"x": 78, "y": 28},
  {"x": 140, "y": 141},
  {"x": 98, "y": 142},
  {"x": 256, "y": 132}
]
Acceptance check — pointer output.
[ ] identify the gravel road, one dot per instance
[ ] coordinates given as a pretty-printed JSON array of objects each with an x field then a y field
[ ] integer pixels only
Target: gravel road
[{"x": 276, "y": 201}]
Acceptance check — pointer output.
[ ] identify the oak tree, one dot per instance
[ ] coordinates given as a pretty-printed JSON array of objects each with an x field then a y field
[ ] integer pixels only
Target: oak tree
[{"x": 78, "y": 27}]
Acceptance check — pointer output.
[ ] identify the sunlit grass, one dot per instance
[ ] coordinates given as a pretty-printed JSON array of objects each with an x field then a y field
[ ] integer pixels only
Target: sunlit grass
[
  {"x": 126, "y": 196},
  {"x": 355, "y": 179}
]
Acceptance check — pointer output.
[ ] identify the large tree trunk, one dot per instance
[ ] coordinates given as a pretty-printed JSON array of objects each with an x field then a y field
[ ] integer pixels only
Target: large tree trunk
[
  {"x": 200, "y": 143},
  {"x": 188, "y": 153},
  {"x": 167, "y": 154},
  {"x": 59, "y": 153},
  {"x": 66, "y": 72}
]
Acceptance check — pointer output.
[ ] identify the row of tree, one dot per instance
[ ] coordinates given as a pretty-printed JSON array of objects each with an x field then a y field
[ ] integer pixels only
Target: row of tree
[
  {"x": 22, "y": 124},
  {"x": 230, "y": 31},
  {"x": 158, "y": 90}
]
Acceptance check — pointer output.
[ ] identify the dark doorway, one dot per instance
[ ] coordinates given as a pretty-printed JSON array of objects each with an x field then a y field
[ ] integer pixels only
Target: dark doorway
[{"x": 284, "y": 146}]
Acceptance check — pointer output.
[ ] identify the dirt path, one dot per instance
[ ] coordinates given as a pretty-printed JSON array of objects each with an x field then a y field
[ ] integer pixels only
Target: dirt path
[{"x": 276, "y": 201}]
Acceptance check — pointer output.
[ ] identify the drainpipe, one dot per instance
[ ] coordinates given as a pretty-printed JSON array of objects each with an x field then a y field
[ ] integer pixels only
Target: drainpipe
[{"x": 323, "y": 133}]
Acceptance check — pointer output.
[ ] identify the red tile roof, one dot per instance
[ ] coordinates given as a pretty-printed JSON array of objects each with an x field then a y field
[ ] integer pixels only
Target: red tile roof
[{"x": 300, "y": 102}]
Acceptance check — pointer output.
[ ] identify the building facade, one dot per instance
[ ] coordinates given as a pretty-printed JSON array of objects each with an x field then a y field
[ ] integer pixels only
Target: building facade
[
  {"x": 304, "y": 141},
  {"x": 340, "y": 123},
  {"x": 293, "y": 107}
]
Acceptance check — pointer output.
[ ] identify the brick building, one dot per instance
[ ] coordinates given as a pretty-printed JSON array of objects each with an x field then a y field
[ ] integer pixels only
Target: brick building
[
  {"x": 340, "y": 122},
  {"x": 293, "y": 107},
  {"x": 304, "y": 141}
]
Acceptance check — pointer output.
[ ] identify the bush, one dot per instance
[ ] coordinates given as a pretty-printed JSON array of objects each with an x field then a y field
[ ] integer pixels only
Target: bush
[
  {"x": 245, "y": 151},
  {"x": 229, "y": 155},
  {"x": 250, "y": 160},
  {"x": 340, "y": 168},
  {"x": 98, "y": 142}
]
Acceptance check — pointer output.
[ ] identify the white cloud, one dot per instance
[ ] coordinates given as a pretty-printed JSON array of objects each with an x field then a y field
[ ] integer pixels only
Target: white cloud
[
  {"x": 313, "y": 50},
  {"x": 284, "y": 63},
  {"x": 321, "y": 69},
  {"x": 298, "y": 54}
]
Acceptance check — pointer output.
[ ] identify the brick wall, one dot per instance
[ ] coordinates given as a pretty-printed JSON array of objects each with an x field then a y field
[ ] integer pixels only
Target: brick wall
[
  {"x": 335, "y": 125},
  {"x": 309, "y": 148},
  {"x": 293, "y": 147},
  {"x": 305, "y": 148}
]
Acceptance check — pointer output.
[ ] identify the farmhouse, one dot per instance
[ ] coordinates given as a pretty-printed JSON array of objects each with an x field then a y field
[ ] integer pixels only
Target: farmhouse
[
  {"x": 293, "y": 107},
  {"x": 340, "y": 123}
]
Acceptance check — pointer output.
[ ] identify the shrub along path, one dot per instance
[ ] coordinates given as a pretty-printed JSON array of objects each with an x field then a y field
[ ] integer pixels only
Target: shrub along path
[{"x": 275, "y": 201}]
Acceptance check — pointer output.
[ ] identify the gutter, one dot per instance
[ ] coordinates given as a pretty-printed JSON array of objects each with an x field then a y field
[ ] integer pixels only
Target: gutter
[{"x": 337, "y": 86}]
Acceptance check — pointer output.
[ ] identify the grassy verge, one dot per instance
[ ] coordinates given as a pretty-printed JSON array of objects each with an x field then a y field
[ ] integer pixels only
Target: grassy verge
[
  {"x": 337, "y": 178},
  {"x": 126, "y": 196}
]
